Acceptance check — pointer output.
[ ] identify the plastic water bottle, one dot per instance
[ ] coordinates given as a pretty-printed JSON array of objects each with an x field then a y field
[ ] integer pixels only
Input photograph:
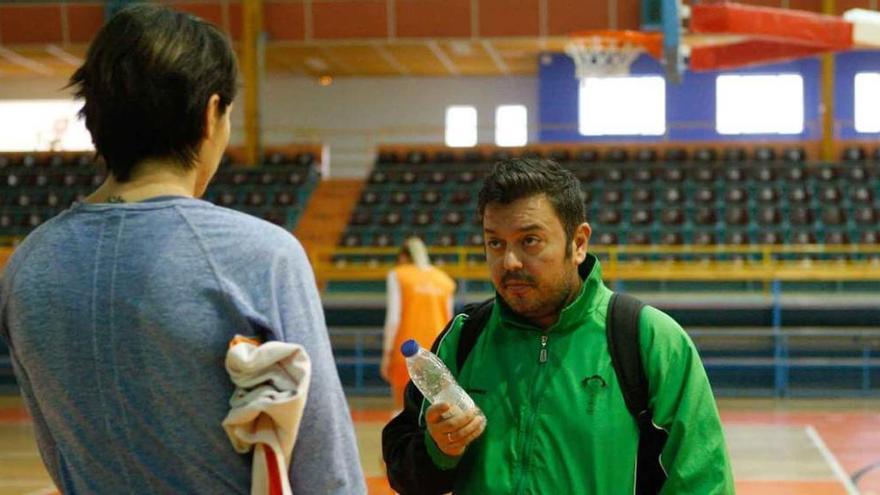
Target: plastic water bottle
[{"x": 434, "y": 379}]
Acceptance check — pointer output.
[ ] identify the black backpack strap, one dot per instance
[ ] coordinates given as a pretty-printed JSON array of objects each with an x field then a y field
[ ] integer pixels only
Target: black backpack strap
[
  {"x": 478, "y": 316},
  {"x": 622, "y": 331}
]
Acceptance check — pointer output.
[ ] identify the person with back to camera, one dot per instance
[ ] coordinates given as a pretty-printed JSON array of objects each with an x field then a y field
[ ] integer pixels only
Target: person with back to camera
[
  {"x": 118, "y": 311},
  {"x": 557, "y": 363},
  {"x": 420, "y": 299}
]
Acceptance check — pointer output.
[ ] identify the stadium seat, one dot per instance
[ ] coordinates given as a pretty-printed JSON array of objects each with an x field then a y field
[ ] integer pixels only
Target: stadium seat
[
  {"x": 704, "y": 238},
  {"x": 866, "y": 215},
  {"x": 857, "y": 173},
  {"x": 705, "y": 155},
  {"x": 641, "y": 216},
  {"x": 673, "y": 174},
  {"x": 768, "y": 194},
  {"x": 423, "y": 218},
  {"x": 734, "y": 174},
  {"x": 408, "y": 178},
  {"x": 704, "y": 195},
  {"x": 430, "y": 197},
  {"x": 613, "y": 174},
  {"x": 416, "y": 157},
  {"x": 638, "y": 239},
  {"x": 400, "y": 198},
  {"x": 616, "y": 155},
  {"x": 798, "y": 194},
  {"x": 705, "y": 216},
  {"x": 675, "y": 155},
  {"x": 672, "y": 216},
  {"x": 673, "y": 195},
  {"x": 606, "y": 239},
  {"x": 736, "y": 195},
  {"x": 769, "y": 216},
  {"x": 612, "y": 196},
  {"x": 862, "y": 194},
  {"x": 609, "y": 216},
  {"x": 833, "y": 215},
  {"x": 453, "y": 218},
  {"x": 736, "y": 216},
  {"x": 646, "y": 155},
  {"x": 853, "y": 154},
  {"x": 446, "y": 240},
  {"x": 672, "y": 239},
  {"x": 391, "y": 219},
  {"x": 704, "y": 174},
  {"x": 642, "y": 195},
  {"x": 559, "y": 156},
  {"x": 800, "y": 215},
  {"x": 764, "y": 154},
  {"x": 587, "y": 156},
  {"x": 284, "y": 198}
]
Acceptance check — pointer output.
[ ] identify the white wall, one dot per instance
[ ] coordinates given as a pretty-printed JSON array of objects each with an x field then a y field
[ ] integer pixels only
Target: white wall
[{"x": 353, "y": 115}]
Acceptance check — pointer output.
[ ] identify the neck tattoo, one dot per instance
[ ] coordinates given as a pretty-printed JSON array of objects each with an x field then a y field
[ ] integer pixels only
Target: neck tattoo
[{"x": 115, "y": 199}]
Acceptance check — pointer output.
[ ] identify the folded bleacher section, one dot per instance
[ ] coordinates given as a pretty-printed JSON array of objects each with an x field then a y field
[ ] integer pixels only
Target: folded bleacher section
[
  {"x": 644, "y": 197},
  {"x": 34, "y": 187}
]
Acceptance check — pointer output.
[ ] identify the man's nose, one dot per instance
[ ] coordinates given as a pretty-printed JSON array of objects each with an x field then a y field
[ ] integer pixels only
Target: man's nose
[{"x": 511, "y": 260}]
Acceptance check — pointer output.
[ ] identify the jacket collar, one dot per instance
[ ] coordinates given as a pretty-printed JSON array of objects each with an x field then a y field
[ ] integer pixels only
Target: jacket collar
[{"x": 572, "y": 316}]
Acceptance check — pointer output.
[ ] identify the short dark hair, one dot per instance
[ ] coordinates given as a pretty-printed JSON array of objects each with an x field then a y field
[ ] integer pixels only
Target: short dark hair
[
  {"x": 519, "y": 178},
  {"x": 146, "y": 82}
]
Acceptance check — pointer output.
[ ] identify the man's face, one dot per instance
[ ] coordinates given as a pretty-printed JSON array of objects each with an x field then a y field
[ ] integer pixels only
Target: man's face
[{"x": 526, "y": 254}]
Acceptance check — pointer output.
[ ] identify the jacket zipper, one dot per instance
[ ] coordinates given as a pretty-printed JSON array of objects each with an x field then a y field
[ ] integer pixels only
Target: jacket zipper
[{"x": 527, "y": 444}]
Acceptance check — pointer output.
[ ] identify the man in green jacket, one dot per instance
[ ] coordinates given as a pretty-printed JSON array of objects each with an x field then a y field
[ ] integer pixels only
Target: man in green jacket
[{"x": 555, "y": 420}]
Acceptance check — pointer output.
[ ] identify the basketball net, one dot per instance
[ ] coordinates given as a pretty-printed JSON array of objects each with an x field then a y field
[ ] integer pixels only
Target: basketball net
[{"x": 609, "y": 53}]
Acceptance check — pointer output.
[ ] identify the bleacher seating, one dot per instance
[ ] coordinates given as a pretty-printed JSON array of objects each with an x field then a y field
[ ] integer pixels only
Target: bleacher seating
[
  {"x": 703, "y": 197},
  {"x": 34, "y": 187}
]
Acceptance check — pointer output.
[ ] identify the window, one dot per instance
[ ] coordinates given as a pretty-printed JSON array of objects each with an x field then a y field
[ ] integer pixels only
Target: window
[
  {"x": 511, "y": 125},
  {"x": 42, "y": 125},
  {"x": 867, "y": 102},
  {"x": 766, "y": 104},
  {"x": 621, "y": 106},
  {"x": 461, "y": 126}
]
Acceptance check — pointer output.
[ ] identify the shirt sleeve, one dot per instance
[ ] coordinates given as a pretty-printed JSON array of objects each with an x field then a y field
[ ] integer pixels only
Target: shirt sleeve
[
  {"x": 392, "y": 312},
  {"x": 695, "y": 456},
  {"x": 325, "y": 456}
]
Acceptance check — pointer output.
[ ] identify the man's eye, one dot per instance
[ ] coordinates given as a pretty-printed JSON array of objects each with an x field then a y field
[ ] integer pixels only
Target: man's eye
[
  {"x": 493, "y": 244},
  {"x": 531, "y": 241}
]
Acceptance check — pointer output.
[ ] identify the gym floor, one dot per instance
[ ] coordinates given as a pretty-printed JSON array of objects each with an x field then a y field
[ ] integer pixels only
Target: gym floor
[{"x": 779, "y": 447}]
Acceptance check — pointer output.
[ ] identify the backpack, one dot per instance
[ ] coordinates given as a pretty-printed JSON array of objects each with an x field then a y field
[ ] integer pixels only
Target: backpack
[{"x": 622, "y": 332}]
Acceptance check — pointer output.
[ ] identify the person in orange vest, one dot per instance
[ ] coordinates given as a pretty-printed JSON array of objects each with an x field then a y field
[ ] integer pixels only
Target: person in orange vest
[{"x": 420, "y": 298}]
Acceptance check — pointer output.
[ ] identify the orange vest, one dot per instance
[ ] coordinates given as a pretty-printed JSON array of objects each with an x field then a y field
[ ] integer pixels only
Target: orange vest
[{"x": 425, "y": 299}]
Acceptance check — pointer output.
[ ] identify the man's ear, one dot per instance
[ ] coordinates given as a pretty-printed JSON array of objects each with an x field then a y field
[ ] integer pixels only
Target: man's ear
[
  {"x": 580, "y": 242},
  {"x": 213, "y": 114}
]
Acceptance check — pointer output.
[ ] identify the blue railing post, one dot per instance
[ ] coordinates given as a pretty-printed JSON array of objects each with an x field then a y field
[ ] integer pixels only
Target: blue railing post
[
  {"x": 780, "y": 349},
  {"x": 359, "y": 362}
]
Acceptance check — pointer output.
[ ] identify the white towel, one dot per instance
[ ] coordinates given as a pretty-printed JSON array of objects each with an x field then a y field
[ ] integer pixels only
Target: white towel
[{"x": 272, "y": 381}]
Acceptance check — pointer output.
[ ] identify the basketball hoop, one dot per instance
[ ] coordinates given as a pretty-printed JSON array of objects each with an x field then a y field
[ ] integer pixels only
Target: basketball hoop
[{"x": 610, "y": 53}]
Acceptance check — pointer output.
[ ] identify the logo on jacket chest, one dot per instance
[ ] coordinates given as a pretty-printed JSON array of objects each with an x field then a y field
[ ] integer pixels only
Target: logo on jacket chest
[{"x": 594, "y": 386}]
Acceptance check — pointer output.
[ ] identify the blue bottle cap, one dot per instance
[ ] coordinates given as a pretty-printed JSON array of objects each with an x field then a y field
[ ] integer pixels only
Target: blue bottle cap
[{"x": 409, "y": 348}]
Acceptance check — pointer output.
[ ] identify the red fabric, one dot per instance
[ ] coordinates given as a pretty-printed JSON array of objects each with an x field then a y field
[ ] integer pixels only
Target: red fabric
[
  {"x": 772, "y": 24},
  {"x": 718, "y": 57},
  {"x": 275, "y": 485}
]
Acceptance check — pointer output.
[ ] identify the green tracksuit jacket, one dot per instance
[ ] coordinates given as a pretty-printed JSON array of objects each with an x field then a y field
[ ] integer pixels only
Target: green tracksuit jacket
[{"x": 560, "y": 425}]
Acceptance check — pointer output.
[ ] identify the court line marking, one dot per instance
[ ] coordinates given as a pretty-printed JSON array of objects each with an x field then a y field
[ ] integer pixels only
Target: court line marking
[{"x": 832, "y": 461}]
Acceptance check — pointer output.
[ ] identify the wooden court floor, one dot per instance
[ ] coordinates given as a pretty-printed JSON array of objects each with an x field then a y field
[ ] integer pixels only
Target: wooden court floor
[{"x": 778, "y": 447}]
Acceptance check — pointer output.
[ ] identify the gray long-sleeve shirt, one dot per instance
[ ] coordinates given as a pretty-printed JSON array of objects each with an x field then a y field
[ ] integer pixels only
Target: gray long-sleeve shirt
[{"x": 118, "y": 318}]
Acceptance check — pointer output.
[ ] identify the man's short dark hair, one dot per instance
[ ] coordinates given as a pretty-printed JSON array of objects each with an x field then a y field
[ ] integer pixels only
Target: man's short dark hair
[
  {"x": 519, "y": 178},
  {"x": 146, "y": 82}
]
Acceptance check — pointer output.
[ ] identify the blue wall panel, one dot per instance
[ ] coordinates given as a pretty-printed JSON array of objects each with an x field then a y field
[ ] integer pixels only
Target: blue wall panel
[{"x": 690, "y": 106}]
